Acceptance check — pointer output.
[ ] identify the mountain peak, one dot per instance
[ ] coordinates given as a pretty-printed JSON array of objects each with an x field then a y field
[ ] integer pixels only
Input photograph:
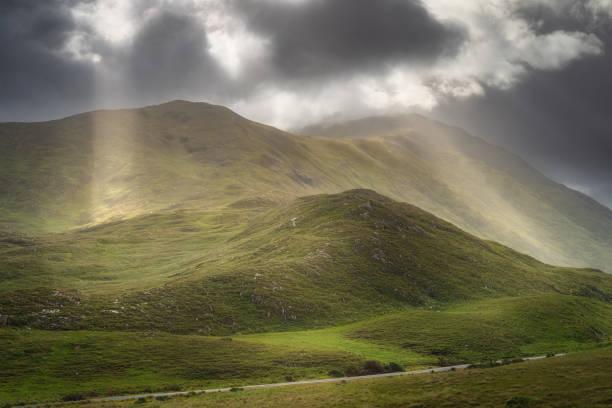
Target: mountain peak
[{"x": 181, "y": 106}]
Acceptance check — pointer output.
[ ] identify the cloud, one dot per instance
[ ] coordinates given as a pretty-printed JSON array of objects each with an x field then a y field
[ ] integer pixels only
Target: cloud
[
  {"x": 37, "y": 72},
  {"x": 503, "y": 47},
  {"x": 64, "y": 56},
  {"x": 338, "y": 58},
  {"x": 558, "y": 119},
  {"x": 169, "y": 56},
  {"x": 600, "y": 7},
  {"x": 312, "y": 38},
  {"x": 321, "y": 53},
  {"x": 556, "y": 50}
]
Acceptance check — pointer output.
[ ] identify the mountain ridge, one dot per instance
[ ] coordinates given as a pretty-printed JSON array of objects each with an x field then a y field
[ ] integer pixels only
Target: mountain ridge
[{"x": 116, "y": 164}]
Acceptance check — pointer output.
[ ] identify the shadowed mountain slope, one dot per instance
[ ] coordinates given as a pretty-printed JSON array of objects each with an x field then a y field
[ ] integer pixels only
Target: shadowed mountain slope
[{"x": 110, "y": 165}]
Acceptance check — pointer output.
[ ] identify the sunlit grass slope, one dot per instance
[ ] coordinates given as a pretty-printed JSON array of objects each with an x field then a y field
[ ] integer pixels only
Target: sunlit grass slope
[
  {"x": 476, "y": 331},
  {"x": 494, "y": 328},
  {"x": 320, "y": 260},
  {"x": 110, "y": 165}
]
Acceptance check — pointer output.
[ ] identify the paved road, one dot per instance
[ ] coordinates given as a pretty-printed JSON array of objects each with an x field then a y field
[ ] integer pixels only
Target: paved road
[{"x": 286, "y": 384}]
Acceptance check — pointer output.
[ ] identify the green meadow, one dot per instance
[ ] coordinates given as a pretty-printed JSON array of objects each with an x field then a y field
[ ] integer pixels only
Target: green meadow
[
  {"x": 579, "y": 379},
  {"x": 41, "y": 366}
]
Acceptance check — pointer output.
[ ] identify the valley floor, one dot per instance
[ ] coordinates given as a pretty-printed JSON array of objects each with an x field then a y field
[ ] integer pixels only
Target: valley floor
[
  {"x": 46, "y": 366},
  {"x": 581, "y": 379}
]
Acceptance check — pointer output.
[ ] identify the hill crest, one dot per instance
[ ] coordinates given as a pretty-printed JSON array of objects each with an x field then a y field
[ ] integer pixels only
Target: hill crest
[{"x": 318, "y": 260}]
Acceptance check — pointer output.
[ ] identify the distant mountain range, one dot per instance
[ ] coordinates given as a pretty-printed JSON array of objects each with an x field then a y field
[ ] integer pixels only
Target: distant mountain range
[{"x": 105, "y": 166}]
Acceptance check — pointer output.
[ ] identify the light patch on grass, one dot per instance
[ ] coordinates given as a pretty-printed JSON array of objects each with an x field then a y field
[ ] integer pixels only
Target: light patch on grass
[{"x": 335, "y": 339}]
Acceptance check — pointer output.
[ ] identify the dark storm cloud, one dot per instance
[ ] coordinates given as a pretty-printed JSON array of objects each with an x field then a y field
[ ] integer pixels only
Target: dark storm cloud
[
  {"x": 319, "y": 37},
  {"x": 567, "y": 15},
  {"x": 36, "y": 80},
  {"x": 561, "y": 120},
  {"x": 169, "y": 57},
  {"x": 40, "y": 79}
]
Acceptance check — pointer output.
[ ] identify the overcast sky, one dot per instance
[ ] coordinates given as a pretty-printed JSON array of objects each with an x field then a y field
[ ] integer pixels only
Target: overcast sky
[{"x": 531, "y": 75}]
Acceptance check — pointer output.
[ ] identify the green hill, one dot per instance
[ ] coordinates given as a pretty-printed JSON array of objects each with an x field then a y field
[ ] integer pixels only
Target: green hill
[
  {"x": 319, "y": 260},
  {"x": 109, "y": 165}
]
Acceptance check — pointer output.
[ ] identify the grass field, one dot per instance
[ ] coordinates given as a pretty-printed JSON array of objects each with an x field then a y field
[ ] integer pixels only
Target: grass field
[
  {"x": 335, "y": 338},
  {"x": 46, "y": 365},
  {"x": 580, "y": 379},
  {"x": 51, "y": 365},
  {"x": 477, "y": 331}
]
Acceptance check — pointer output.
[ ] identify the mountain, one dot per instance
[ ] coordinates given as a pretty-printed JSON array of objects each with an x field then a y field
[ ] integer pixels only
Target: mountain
[
  {"x": 316, "y": 261},
  {"x": 111, "y": 165},
  {"x": 490, "y": 191}
]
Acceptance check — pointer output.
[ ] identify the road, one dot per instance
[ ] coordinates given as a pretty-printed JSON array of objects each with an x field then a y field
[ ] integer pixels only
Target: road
[{"x": 286, "y": 384}]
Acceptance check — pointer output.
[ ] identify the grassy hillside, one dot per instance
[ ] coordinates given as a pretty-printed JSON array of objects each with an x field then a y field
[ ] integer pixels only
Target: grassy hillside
[
  {"x": 108, "y": 165},
  {"x": 579, "y": 380},
  {"x": 111, "y": 165},
  {"x": 317, "y": 261}
]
